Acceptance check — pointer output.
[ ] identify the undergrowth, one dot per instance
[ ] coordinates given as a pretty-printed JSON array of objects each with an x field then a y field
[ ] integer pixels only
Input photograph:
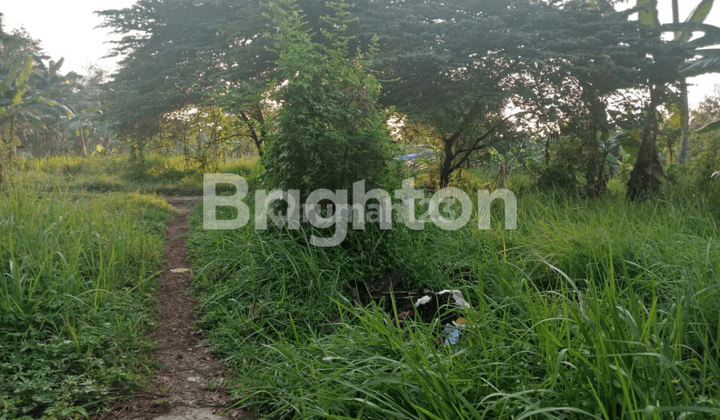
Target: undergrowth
[
  {"x": 75, "y": 292},
  {"x": 590, "y": 309},
  {"x": 162, "y": 175}
]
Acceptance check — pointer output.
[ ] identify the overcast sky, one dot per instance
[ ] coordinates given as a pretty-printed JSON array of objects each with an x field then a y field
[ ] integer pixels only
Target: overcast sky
[{"x": 66, "y": 28}]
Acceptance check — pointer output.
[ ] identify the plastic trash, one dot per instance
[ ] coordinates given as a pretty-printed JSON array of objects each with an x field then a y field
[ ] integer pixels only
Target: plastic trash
[
  {"x": 452, "y": 331},
  {"x": 460, "y": 302}
]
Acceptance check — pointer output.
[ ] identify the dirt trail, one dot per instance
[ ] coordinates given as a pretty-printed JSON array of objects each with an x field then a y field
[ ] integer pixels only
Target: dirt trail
[{"x": 187, "y": 386}]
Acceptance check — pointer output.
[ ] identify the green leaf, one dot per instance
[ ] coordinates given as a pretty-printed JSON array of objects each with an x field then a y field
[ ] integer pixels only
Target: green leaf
[
  {"x": 675, "y": 120},
  {"x": 701, "y": 12},
  {"x": 710, "y": 38},
  {"x": 629, "y": 141},
  {"x": 697, "y": 16},
  {"x": 648, "y": 14},
  {"x": 702, "y": 66},
  {"x": 712, "y": 126},
  {"x": 25, "y": 74},
  {"x": 54, "y": 67},
  {"x": 603, "y": 5},
  {"x": 708, "y": 53},
  {"x": 18, "y": 97}
]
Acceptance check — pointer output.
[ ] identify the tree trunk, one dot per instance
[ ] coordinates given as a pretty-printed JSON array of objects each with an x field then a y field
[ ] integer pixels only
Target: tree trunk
[
  {"x": 83, "y": 144},
  {"x": 684, "y": 108},
  {"x": 684, "y": 121},
  {"x": 501, "y": 176},
  {"x": 106, "y": 145},
  {"x": 446, "y": 168},
  {"x": 595, "y": 173},
  {"x": 596, "y": 183},
  {"x": 445, "y": 173},
  {"x": 647, "y": 173}
]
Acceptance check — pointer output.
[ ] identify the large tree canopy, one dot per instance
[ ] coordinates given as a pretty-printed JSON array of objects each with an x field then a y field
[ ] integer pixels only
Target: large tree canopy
[
  {"x": 186, "y": 52},
  {"x": 456, "y": 66}
]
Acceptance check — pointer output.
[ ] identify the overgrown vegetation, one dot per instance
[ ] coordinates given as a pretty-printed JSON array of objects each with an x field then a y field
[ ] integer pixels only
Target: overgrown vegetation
[
  {"x": 76, "y": 288},
  {"x": 596, "y": 306},
  {"x": 591, "y": 309},
  {"x": 331, "y": 131},
  {"x": 80, "y": 245}
]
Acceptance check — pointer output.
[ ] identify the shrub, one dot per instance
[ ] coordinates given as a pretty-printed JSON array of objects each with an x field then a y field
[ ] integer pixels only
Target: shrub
[
  {"x": 330, "y": 131},
  {"x": 557, "y": 178}
]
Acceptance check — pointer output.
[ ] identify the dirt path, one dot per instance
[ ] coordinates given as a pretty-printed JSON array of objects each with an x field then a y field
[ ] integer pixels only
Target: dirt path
[{"x": 187, "y": 386}]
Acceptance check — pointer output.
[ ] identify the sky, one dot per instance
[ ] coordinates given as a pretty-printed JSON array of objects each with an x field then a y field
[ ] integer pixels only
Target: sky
[{"x": 67, "y": 28}]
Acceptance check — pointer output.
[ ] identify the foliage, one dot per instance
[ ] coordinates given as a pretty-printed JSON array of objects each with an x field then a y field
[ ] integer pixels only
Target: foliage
[
  {"x": 458, "y": 67},
  {"x": 169, "y": 51},
  {"x": 186, "y": 53},
  {"x": 591, "y": 309},
  {"x": 330, "y": 131},
  {"x": 454, "y": 67},
  {"x": 557, "y": 178},
  {"x": 202, "y": 136},
  {"x": 43, "y": 111},
  {"x": 73, "y": 303}
]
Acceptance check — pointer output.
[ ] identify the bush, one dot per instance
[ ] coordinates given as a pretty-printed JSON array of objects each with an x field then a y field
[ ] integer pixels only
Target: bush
[
  {"x": 76, "y": 272},
  {"x": 330, "y": 130},
  {"x": 557, "y": 178}
]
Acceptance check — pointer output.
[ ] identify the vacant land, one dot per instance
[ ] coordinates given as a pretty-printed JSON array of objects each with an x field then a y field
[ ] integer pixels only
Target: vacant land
[{"x": 599, "y": 308}]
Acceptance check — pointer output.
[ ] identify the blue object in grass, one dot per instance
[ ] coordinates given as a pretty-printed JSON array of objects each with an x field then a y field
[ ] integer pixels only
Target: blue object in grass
[
  {"x": 410, "y": 157},
  {"x": 453, "y": 332}
]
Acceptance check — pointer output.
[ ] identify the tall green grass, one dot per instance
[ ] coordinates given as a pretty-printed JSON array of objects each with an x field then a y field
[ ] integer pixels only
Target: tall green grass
[
  {"x": 76, "y": 283},
  {"x": 165, "y": 175},
  {"x": 590, "y": 309}
]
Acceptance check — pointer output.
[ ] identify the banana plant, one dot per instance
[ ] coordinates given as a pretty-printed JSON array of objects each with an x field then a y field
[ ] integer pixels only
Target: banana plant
[
  {"x": 15, "y": 85},
  {"x": 697, "y": 16},
  {"x": 683, "y": 33},
  {"x": 13, "y": 98},
  {"x": 709, "y": 61},
  {"x": 26, "y": 88}
]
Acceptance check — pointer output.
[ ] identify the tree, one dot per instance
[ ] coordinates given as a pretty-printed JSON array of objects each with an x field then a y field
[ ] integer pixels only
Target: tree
[
  {"x": 453, "y": 66},
  {"x": 58, "y": 93},
  {"x": 30, "y": 95},
  {"x": 89, "y": 106},
  {"x": 647, "y": 171},
  {"x": 330, "y": 131},
  {"x": 185, "y": 52},
  {"x": 13, "y": 89},
  {"x": 171, "y": 52},
  {"x": 698, "y": 15},
  {"x": 458, "y": 66},
  {"x": 596, "y": 60}
]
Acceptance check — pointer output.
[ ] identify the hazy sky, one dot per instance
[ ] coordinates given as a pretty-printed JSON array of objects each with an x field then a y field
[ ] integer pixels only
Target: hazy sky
[{"x": 66, "y": 29}]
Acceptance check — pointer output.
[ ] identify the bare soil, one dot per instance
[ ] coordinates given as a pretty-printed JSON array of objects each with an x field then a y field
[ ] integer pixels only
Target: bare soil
[{"x": 189, "y": 384}]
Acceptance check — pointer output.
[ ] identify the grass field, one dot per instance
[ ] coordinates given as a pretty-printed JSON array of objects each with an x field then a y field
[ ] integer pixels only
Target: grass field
[
  {"x": 590, "y": 309},
  {"x": 76, "y": 290},
  {"x": 81, "y": 242}
]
